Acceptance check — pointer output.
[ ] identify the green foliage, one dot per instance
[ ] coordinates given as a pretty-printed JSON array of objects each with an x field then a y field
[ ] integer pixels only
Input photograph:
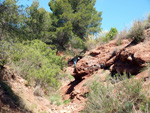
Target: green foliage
[
  {"x": 76, "y": 43},
  {"x": 90, "y": 44},
  {"x": 35, "y": 61},
  {"x": 9, "y": 18},
  {"x": 68, "y": 23},
  {"x": 57, "y": 99},
  {"x": 110, "y": 35},
  {"x": 63, "y": 34},
  {"x": 123, "y": 97},
  {"x": 73, "y": 18},
  {"x": 37, "y": 22}
]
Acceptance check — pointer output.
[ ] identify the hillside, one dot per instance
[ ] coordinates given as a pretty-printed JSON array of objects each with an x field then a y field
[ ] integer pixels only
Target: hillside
[
  {"x": 101, "y": 62},
  {"x": 17, "y": 97},
  {"x": 62, "y": 61}
]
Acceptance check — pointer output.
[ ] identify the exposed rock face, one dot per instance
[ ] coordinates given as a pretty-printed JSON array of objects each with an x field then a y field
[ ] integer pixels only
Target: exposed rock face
[
  {"x": 132, "y": 59},
  {"x": 127, "y": 57},
  {"x": 124, "y": 58}
]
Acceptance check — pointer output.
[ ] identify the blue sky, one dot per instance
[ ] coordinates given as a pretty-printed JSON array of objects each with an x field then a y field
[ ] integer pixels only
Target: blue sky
[
  {"x": 116, "y": 13},
  {"x": 121, "y": 13}
]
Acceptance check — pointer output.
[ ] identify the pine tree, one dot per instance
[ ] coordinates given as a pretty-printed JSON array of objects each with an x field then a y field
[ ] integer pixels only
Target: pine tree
[
  {"x": 9, "y": 18},
  {"x": 37, "y": 22},
  {"x": 74, "y": 19}
]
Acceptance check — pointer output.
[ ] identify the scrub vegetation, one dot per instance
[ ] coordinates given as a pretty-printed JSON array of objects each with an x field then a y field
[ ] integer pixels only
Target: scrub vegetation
[{"x": 31, "y": 37}]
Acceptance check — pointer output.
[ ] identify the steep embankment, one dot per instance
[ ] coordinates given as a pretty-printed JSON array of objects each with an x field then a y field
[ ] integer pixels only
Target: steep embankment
[{"x": 16, "y": 97}]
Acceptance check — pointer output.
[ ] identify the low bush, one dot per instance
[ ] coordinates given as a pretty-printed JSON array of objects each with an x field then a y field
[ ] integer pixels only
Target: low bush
[
  {"x": 33, "y": 60},
  {"x": 124, "y": 97},
  {"x": 136, "y": 31},
  {"x": 110, "y": 35}
]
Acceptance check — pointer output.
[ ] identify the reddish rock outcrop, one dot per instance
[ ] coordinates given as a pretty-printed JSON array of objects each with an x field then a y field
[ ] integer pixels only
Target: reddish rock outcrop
[
  {"x": 127, "y": 57},
  {"x": 101, "y": 57}
]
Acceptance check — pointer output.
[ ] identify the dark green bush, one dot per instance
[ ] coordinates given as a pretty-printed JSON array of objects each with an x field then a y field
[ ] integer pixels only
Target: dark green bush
[{"x": 35, "y": 61}]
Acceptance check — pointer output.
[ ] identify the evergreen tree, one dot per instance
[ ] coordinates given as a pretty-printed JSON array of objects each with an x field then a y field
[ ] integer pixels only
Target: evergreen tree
[
  {"x": 74, "y": 19},
  {"x": 37, "y": 22},
  {"x": 9, "y": 18}
]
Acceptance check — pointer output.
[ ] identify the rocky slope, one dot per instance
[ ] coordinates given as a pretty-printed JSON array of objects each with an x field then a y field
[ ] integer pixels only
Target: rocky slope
[
  {"x": 107, "y": 59},
  {"x": 17, "y": 97},
  {"x": 126, "y": 57}
]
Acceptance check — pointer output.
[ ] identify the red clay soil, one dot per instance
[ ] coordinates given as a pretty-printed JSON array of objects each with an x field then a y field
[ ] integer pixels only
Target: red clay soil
[{"x": 9, "y": 101}]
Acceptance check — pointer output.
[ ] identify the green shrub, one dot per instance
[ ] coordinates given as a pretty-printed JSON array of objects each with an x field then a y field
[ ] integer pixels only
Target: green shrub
[
  {"x": 110, "y": 35},
  {"x": 35, "y": 61},
  {"x": 123, "y": 97}
]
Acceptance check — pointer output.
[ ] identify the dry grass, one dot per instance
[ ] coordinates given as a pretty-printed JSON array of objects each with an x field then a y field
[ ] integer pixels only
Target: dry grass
[
  {"x": 121, "y": 35},
  {"x": 123, "y": 97},
  {"x": 136, "y": 31},
  {"x": 92, "y": 41}
]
